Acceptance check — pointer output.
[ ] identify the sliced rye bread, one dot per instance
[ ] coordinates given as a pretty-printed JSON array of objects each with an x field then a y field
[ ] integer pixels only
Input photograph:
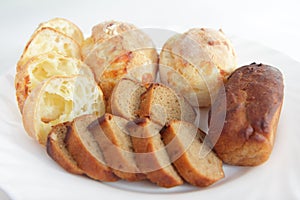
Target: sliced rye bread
[
  {"x": 152, "y": 158},
  {"x": 84, "y": 149},
  {"x": 56, "y": 148},
  {"x": 110, "y": 133},
  {"x": 183, "y": 143},
  {"x": 125, "y": 98},
  {"x": 161, "y": 104}
]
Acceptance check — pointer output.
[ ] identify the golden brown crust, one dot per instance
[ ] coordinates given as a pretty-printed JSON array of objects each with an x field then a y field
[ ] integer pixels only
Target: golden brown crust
[
  {"x": 149, "y": 162},
  {"x": 254, "y": 96},
  {"x": 56, "y": 149},
  {"x": 88, "y": 163},
  {"x": 112, "y": 149}
]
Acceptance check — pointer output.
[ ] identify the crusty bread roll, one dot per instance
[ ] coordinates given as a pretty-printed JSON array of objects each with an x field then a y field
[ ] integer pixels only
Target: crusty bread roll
[
  {"x": 254, "y": 96},
  {"x": 184, "y": 143},
  {"x": 195, "y": 64},
  {"x": 56, "y": 148},
  {"x": 110, "y": 133},
  {"x": 83, "y": 147},
  {"x": 117, "y": 50},
  {"x": 44, "y": 66},
  {"x": 46, "y": 40},
  {"x": 64, "y": 26},
  {"x": 161, "y": 104},
  {"x": 60, "y": 99},
  {"x": 152, "y": 158}
]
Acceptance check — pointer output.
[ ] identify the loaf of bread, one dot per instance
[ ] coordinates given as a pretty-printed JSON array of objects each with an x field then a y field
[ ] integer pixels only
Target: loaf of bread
[
  {"x": 117, "y": 50},
  {"x": 47, "y": 40},
  {"x": 254, "y": 96},
  {"x": 60, "y": 99},
  {"x": 126, "y": 98},
  {"x": 115, "y": 143},
  {"x": 195, "y": 64},
  {"x": 161, "y": 104},
  {"x": 184, "y": 143},
  {"x": 151, "y": 156},
  {"x": 42, "y": 67},
  {"x": 56, "y": 148},
  {"x": 64, "y": 26},
  {"x": 85, "y": 150}
]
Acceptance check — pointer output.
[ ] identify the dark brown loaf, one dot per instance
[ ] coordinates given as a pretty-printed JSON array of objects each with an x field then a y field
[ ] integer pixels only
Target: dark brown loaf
[{"x": 254, "y": 96}]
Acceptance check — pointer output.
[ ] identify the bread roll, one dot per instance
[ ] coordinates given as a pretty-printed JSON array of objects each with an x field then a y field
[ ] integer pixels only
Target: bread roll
[
  {"x": 254, "y": 96},
  {"x": 117, "y": 50},
  {"x": 195, "y": 64},
  {"x": 44, "y": 66},
  {"x": 47, "y": 40},
  {"x": 64, "y": 26},
  {"x": 60, "y": 99}
]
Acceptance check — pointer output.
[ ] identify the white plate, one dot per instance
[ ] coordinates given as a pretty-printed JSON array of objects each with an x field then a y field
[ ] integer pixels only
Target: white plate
[{"x": 26, "y": 172}]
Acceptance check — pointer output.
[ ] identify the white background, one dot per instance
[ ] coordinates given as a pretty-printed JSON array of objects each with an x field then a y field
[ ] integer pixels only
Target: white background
[{"x": 272, "y": 23}]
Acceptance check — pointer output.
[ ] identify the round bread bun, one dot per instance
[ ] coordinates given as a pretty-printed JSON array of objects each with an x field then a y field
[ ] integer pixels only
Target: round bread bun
[
  {"x": 47, "y": 39},
  {"x": 64, "y": 26},
  {"x": 117, "y": 50},
  {"x": 60, "y": 99},
  {"x": 196, "y": 63},
  {"x": 44, "y": 66}
]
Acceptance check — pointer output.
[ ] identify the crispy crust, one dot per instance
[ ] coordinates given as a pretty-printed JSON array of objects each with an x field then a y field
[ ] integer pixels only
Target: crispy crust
[
  {"x": 57, "y": 150},
  {"x": 148, "y": 162},
  {"x": 113, "y": 155},
  {"x": 184, "y": 164},
  {"x": 198, "y": 58},
  {"x": 86, "y": 161},
  {"x": 117, "y": 50},
  {"x": 254, "y": 96}
]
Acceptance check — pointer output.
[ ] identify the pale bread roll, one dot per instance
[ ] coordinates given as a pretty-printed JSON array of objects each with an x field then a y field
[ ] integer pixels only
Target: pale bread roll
[
  {"x": 60, "y": 99},
  {"x": 44, "y": 66},
  {"x": 64, "y": 26},
  {"x": 117, "y": 50},
  {"x": 46, "y": 40},
  {"x": 195, "y": 64}
]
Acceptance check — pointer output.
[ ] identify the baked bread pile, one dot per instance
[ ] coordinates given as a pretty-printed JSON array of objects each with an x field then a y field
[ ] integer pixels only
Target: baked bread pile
[{"x": 95, "y": 106}]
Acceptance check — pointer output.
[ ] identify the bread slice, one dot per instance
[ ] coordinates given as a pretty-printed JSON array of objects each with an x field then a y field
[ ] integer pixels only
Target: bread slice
[
  {"x": 161, "y": 104},
  {"x": 49, "y": 40},
  {"x": 110, "y": 133},
  {"x": 115, "y": 53},
  {"x": 60, "y": 99},
  {"x": 56, "y": 148},
  {"x": 125, "y": 98},
  {"x": 151, "y": 156},
  {"x": 84, "y": 149},
  {"x": 44, "y": 66},
  {"x": 184, "y": 145},
  {"x": 64, "y": 26}
]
